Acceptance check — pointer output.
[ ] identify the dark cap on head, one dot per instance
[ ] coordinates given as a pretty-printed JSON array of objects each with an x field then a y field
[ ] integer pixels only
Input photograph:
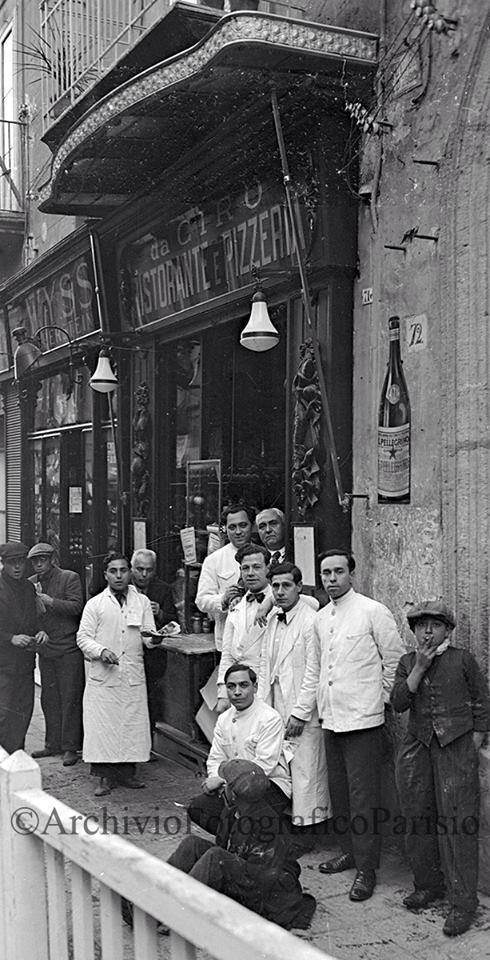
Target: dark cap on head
[
  {"x": 247, "y": 780},
  {"x": 40, "y": 550},
  {"x": 13, "y": 550},
  {"x": 431, "y": 608}
]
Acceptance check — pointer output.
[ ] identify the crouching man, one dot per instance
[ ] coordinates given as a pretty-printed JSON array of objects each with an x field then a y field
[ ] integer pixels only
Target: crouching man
[
  {"x": 437, "y": 769},
  {"x": 252, "y": 860}
]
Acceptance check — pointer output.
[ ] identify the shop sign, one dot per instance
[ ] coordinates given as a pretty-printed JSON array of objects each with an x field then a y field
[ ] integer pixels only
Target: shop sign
[
  {"x": 64, "y": 299},
  {"x": 203, "y": 253}
]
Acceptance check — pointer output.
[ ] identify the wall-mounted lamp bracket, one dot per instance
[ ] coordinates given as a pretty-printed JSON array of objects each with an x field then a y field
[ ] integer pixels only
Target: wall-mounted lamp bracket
[{"x": 29, "y": 351}]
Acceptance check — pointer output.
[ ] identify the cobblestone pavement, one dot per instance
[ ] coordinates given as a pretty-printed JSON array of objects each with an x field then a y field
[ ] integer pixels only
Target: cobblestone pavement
[{"x": 378, "y": 929}]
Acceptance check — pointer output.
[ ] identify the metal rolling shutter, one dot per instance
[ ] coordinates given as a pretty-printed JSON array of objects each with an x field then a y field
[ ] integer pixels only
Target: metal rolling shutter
[{"x": 13, "y": 463}]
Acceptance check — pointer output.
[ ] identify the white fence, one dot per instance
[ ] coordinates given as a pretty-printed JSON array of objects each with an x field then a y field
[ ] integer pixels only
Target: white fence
[
  {"x": 61, "y": 884},
  {"x": 81, "y": 40}
]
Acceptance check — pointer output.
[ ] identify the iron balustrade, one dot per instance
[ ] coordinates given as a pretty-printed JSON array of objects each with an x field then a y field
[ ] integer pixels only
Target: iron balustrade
[{"x": 80, "y": 40}]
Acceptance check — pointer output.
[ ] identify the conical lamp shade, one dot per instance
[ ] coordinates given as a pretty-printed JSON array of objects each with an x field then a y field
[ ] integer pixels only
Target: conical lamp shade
[
  {"x": 260, "y": 333},
  {"x": 103, "y": 380}
]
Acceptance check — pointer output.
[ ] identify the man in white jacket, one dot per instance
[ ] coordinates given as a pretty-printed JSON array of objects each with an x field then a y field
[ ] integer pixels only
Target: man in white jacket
[
  {"x": 244, "y": 630},
  {"x": 115, "y": 626},
  {"x": 282, "y": 668},
  {"x": 351, "y": 668},
  {"x": 249, "y": 730},
  {"x": 220, "y": 572}
]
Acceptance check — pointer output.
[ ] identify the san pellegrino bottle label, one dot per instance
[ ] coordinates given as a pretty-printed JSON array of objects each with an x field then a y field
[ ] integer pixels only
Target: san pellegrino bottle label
[
  {"x": 394, "y": 427},
  {"x": 394, "y": 461}
]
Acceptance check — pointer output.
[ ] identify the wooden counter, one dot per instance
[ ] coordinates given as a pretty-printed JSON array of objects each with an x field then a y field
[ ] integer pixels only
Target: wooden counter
[{"x": 190, "y": 661}]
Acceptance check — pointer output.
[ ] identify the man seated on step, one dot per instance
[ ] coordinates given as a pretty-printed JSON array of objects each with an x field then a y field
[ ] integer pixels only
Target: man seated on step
[
  {"x": 253, "y": 859},
  {"x": 249, "y": 730}
]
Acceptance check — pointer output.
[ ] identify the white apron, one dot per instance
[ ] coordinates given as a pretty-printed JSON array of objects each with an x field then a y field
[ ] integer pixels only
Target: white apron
[{"x": 115, "y": 709}]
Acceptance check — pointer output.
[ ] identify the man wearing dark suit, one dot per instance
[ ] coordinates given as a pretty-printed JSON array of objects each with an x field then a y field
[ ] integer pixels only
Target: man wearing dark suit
[
  {"x": 271, "y": 527},
  {"x": 20, "y": 637},
  {"x": 143, "y": 570},
  {"x": 61, "y": 664}
]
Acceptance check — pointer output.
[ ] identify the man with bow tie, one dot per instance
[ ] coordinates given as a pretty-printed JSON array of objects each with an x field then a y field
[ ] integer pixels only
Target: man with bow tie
[
  {"x": 242, "y": 637},
  {"x": 281, "y": 672}
]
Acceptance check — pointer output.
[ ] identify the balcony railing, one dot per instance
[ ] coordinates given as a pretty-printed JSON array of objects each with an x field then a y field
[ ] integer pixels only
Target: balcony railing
[
  {"x": 12, "y": 161},
  {"x": 82, "y": 39}
]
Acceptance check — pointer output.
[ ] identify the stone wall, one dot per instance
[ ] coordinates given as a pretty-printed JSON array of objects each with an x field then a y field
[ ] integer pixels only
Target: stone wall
[{"x": 439, "y": 543}]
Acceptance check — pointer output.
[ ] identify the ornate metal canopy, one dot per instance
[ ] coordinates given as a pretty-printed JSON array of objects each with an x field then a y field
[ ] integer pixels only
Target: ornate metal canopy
[{"x": 209, "y": 100}]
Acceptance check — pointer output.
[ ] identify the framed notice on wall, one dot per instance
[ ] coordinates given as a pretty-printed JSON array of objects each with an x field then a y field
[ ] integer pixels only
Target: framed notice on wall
[{"x": 304, "y": 551}]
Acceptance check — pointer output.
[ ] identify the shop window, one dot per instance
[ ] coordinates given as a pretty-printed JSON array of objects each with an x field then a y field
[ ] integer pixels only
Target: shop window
[
  {"x": 186, "y": 440},
  {"x": 112, "y": 494},
  {"x": 61, "y": 402},
  {"x": 47, "y": 490}
]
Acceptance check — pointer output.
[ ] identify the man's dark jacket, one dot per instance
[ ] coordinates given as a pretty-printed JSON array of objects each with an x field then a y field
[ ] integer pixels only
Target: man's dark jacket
[
  {"x": 451, "y": 699},
  {"x": 266, "y": 877},
  {"x": 161, "y": 593},
  {"x": 62, "y": 619},
  {"x": 17, "y": 615}
]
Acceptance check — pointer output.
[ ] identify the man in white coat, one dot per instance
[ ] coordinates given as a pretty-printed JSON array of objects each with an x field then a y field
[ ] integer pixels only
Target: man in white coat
[
  {"x": 281, "y": 672},
  {"x": 115, "y": 710},
  {"x": 350, "y": 672},
  {"x": 220, "y": 572},
  {"x": 249, "y": 730},
  {"x": 243, "y": 634}
]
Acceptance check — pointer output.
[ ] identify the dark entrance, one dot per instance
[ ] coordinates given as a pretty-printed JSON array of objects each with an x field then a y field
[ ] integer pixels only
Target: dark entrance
[{"x": 222, "y": 402}]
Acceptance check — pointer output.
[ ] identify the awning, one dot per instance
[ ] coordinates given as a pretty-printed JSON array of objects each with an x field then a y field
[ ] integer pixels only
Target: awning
[{"x": 210, "y": 99}]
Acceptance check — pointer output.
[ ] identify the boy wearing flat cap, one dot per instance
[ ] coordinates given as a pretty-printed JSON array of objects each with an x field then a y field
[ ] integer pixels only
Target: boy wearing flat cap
[
  {"x": 20, "y": 637},
  {"x": 437, "y": 768}
]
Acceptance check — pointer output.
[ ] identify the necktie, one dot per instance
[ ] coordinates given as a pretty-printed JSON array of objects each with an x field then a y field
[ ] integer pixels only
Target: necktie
[
  {"x": 255, "y": 596},
  {"x": 275, "y": 558},
  {"x": 120, "y": 597},
  {"x": 282, "y": 617}
]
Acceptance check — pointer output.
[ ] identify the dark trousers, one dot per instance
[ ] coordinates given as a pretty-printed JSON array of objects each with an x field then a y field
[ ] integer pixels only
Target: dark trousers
[
  {"x": 439, "y": 797},
  {"x": 354, "y": 779},
  {"x": 62, "y": 684},
  {"x": 206, "y": 809},
  {"x": 202, "y": 860},
  {"x": 115, "y": 772},
  {"x": 16, "y": 706},
  {"x": 155, "y": 664}
]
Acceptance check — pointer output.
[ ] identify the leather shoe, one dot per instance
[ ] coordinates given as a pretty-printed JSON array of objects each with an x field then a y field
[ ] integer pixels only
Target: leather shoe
[
  {"x": 46, "y": 752},
  {"x": 69, "y": 758},
  {"x": 133, "y": 784},
  {"x": 363, "y": 885},
  {"x": 457, "y": 921},
  {"x": 344, "y": 862},
  {"x": 105, "y": 787},
  {"x": 421, "y": 897}
]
